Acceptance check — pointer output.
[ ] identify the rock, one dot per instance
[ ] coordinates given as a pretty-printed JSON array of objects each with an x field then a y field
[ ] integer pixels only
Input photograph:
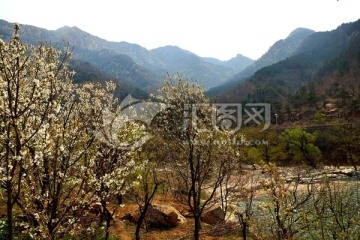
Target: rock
[
  {"x": 184, "y": 210},
  {"x": 187, "y": 214},
  {"x": 163, "y": 216},
  {"x": 157, "y": 216},
  {"x": 131, "y": 217},
  {"x": 213, "y": 216},
  {"x": 354, "y": 174},
  {"x": 244, "y": 166},
  {"x": 256, "y": 166}
]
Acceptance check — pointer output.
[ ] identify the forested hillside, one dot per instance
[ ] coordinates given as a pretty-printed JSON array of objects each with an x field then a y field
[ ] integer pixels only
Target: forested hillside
[
  {"x": 324, "y": 72},
  {"x": 279, "y": 51}
]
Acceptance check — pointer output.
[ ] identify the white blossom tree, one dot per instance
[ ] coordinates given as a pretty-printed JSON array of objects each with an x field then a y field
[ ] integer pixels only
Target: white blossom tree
[
  {"x": 51, "y": 156},
  {"x": 197, "y": 153},
  {"x": 58, "y": 186},
  {"x": 30, "y": 79}
]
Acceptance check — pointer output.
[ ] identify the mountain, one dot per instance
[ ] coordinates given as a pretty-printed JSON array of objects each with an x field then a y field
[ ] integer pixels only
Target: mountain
[
  {"x": 121, "y": 67},
  {"x": 159, "y": 61},
  {"x": 237, "y": 64},
  {"x": 86, "y": 72},
  {"x": 279, "y": 51},
  {"x": 91, "y": 49},
  {"x": 127, "y": 62},
  {"x": 77, "y": 37},
  {"x": 190, "y": 65},
  {"x": 325, "y": 68}
]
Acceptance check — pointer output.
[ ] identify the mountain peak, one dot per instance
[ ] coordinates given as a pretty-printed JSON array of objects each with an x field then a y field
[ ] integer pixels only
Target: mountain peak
[
  {"x": 279, "y": 51},
  {"x": 172, "y": 48},
  {"x": 299, "y": 31},
  {"x": 69, "y": 29},
  {"x": 240, "y": 56}
]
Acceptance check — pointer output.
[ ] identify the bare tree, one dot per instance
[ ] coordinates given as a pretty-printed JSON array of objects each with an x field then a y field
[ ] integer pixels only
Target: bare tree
[
  {"x": 144, "y": 194},
  {"x": 285, "y": 214},
  {"x": 247, "y": 195},
  {"x": 336, "y": 210}
]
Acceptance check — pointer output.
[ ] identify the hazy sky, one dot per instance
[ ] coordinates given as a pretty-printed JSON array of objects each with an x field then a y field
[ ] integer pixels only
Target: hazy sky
[{"x": 208, "y": 28}]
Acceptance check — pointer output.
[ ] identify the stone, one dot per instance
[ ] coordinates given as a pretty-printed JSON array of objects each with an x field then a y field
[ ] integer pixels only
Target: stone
[
  {"x": 163, "y": 216},
  {"x": 213, "y": 216}
]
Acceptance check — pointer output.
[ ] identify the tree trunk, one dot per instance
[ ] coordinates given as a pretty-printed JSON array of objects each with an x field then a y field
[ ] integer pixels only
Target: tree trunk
[
  {"x": 137, "y": 231},
  {"x": 309, "y": 160},
  {"x": 107, "y": 215},
  {"x": 352, "y": 161},
  {"x": 244, "y": 231},
  {"x": 243, "y": 224},
  {"x": 119, "y": 199},
  {"x": 108, "y": 219},
  {"x": 140, "y": 221},
  {"x": 197, "y": 227},
  {"x": 144, "y": 210},
  {"x": 9, "y": 207}
]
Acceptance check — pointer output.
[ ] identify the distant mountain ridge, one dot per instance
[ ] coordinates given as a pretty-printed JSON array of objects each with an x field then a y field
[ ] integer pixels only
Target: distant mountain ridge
[
  {"x": 324, "y": 70},
  {"x": 129, "y": 62},
  {"x": 237, "y": 63},
  {"x": 90, "y": 49},
  {"x": 279, "y": 51},
  {"x": 208, "y": 73}
]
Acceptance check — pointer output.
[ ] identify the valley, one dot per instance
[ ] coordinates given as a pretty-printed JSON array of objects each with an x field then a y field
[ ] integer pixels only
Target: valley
[{"x": 110, "y": 140}]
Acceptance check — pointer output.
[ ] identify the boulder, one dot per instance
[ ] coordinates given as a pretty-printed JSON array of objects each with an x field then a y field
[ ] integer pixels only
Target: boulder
[
  {"x": 163, "y": 216},
  {"x": 213, "y": 216},
  {"x": 131, "y": 217}
]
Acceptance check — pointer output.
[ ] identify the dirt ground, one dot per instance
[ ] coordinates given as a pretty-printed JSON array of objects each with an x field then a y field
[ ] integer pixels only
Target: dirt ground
[{"x": 125, "y": 230}]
